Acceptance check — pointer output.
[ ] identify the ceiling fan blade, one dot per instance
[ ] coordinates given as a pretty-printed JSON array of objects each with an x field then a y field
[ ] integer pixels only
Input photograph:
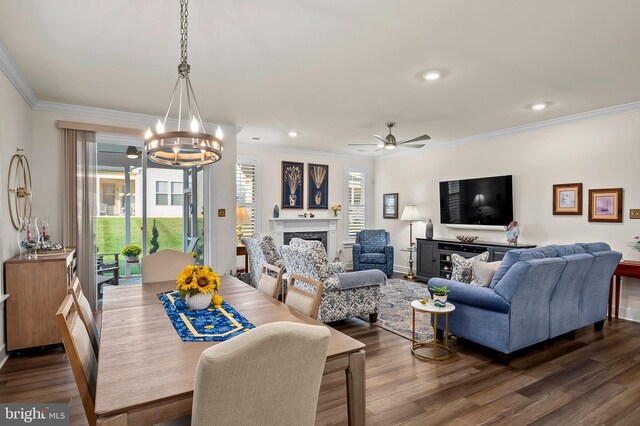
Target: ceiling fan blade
[
  {"x": 380, "y": 138},
  {"x": 363, "y": 144},
  {"x": 412, "y": 146},
  {"x": 417, "y": 139}
]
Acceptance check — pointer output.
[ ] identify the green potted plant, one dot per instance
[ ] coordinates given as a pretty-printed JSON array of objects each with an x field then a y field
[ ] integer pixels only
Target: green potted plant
[
  {"x": 439, "y": 295},
  {"x": 132, "y": 253}
]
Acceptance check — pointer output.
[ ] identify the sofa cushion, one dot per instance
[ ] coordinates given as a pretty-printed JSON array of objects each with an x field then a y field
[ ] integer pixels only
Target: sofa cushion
[
  {"x": 594, "y": 247},
  {"x": 462, "y": 266},
  {"x": 377, "y": 258},
  {"x": 373, "y": 240},
  {"x": 514, "y": 256},
  {"x": 482, "y": 272},
  {"x": 568, "y": 249}
]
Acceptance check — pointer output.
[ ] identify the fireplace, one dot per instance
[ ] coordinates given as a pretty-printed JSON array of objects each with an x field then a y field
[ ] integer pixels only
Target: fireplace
[
  {"x": 317, "y": 228},
  {"x": 311, "y": 236}
]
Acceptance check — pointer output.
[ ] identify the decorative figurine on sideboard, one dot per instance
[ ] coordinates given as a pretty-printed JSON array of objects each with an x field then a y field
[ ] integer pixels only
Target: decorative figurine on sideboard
[
  {"x": 429, "y": 233},
  {"x": 276, "y": 211},
  {"x": 512, "y": 233}
]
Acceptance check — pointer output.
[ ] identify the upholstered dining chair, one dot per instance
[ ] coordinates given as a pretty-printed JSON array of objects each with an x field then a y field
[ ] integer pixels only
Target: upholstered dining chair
[
  {"x": 77, "y": 345},
  {"x": 300, "y": 298},
  {"x": 86, "y": 314},
  {"x": 270, "y": 280},
  {"x": 164, "y": 265},
  {"x": 269, "y": 376}
]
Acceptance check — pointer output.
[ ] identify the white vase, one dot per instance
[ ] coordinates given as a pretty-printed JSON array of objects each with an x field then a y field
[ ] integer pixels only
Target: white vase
[
  {"x": 440, "y": 301},
  {"x": 198, "y": 301}
]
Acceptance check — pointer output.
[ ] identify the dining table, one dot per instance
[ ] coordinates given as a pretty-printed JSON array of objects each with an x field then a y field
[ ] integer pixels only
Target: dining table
[{"x": 146, "y": 372}]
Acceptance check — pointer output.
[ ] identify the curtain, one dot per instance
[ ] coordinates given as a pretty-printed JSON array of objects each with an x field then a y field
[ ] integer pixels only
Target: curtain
[{"x": 79, "y": 157}]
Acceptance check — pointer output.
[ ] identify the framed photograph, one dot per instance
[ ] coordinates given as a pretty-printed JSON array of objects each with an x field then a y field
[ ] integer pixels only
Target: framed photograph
[
  {"x": 390, "y": 206},
  {"x": 605, "y": 205},
  {"x": 292, "y": 185},
  {"x": 318, "y": 190},
  {"x": 567, "y": 198}
]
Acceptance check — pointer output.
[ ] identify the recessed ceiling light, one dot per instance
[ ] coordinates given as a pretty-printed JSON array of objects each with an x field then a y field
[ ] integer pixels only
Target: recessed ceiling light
[
  {"x": 432, "y": 75},
  {"x": 293, "y": 134},
  {"x": 256, "y": 139},
  {"x": 539, "y": 106}
]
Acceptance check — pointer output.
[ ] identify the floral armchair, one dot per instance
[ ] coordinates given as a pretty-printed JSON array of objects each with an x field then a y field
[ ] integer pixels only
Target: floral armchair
[
  {"x": 310, "y": 260},
  {"x": 261, "y": 249},
  {"x": 373, "y": 250}
]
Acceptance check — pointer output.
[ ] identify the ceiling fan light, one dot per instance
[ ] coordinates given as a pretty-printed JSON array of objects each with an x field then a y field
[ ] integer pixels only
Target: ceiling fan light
[{"x": 380, "y": 144}]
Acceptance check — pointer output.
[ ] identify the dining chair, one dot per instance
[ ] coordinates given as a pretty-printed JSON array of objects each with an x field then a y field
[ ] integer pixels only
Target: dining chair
[
  {"x": 270, "y": 283},
  {"x": 270, "y": 376},
  {"x": 77, "y": 345},
  {"x": 164, "y": 265},
  {"x": 86, "y": 314},
  {"x": 301, "y": 298}
]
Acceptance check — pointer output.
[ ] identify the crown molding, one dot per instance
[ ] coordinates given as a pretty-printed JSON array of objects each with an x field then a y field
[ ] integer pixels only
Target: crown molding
[
  {"x": 16, "y": 77},
  {"x": 539, "y": 125},
  {"x": 243, "y": 147}
]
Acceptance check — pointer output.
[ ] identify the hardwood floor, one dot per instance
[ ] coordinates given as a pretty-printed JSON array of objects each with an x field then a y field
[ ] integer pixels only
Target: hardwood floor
[{"x": 593, "y": 379}]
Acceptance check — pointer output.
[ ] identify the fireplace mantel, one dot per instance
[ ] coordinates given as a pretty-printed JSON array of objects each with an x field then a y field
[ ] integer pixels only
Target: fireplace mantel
[{"x": 279, "y": 226}]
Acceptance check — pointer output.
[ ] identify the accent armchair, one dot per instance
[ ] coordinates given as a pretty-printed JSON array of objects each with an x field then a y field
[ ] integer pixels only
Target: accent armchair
[
  {"x": 373, "y": 250},
  {"x": 261, "y": 249},
  {"x": 310, "y": 260}
]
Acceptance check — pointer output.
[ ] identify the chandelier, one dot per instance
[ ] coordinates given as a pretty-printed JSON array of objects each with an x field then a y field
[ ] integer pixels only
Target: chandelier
[{"x": 188, "y": 145}]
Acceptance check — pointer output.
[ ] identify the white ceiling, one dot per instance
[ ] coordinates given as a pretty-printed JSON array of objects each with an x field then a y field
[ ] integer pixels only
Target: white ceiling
[{"x": 334, "y": 70}]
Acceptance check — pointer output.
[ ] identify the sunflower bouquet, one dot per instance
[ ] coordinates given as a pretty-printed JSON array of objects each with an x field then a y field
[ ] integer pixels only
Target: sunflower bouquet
[{"x": 196, "y": 279}]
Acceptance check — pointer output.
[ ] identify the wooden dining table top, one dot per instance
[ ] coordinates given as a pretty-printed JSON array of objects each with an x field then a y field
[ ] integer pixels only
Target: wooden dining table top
[{"x": 142, "y": 358}]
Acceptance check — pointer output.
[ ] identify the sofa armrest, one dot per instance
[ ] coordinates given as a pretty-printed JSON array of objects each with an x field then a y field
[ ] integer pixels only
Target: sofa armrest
[
  {"x": 337, "y": 267},
  {"x": 388, "y": 252},
  {"x": 332, "y": 284},
  {"x": 356, "y": 251},
  {"x": 480, "y": 297}
]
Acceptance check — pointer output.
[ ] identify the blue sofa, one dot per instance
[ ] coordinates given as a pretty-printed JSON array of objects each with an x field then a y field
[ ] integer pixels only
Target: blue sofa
[
  {"x": 373, "y": 250},
  {"x": 535, "y": 295}
]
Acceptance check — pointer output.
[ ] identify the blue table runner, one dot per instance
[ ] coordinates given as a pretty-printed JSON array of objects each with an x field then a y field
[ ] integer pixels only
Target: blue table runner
[{"x": 206, "y": 325}]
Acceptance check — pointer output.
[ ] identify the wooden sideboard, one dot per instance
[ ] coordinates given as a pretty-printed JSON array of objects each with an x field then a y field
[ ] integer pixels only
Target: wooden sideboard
[
  {"x": 434, "y": 256},
  {"x": 626, "y": 268},
  {"x": 36, "y": 288}
]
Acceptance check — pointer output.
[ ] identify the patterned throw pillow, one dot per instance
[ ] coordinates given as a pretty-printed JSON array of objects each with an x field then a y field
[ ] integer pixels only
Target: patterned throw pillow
[
  {"x": 462, "y": 266},
  {"x": 482, "y": 272}
]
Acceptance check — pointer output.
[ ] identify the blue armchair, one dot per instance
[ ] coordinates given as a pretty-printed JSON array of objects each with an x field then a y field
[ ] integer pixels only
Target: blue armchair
[{"x": 373, "y": 250}]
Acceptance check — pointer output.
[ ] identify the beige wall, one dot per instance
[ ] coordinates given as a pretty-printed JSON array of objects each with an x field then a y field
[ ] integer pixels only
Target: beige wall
[
  {"x": 15, "y": 132},
  {"x": 600, "y": 153},
  {"x": 270, "y": 161}
]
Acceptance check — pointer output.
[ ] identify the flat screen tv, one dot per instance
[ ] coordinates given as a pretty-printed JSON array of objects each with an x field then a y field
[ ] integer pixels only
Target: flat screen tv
[{"x": 480, "y": 201}]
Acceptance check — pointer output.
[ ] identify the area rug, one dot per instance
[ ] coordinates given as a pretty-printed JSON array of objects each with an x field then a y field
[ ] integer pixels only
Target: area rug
[{"x": 395, "y": 309}]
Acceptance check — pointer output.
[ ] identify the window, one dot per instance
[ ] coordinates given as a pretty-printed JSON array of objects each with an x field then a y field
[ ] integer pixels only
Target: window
[
  {"x": 168, "y": 193},
  {"x": 247, "y": 191},
  {"x": 356, "y": 202}
]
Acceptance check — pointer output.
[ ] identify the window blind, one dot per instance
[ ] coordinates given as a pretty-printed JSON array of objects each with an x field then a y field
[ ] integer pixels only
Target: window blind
[
  {"x": 246, "y": 194},
  {"x": 357, "y": 212}
]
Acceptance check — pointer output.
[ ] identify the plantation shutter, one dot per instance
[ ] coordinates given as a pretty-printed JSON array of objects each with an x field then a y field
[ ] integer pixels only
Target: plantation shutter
[
  {"x": 246, "y": 194},
  {"x": 454, "y": 202},
  {"x": 357, "y": 212}
]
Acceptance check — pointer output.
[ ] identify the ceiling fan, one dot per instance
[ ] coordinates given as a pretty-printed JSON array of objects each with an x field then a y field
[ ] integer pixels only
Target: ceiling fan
[{"x": 390, "y": 141}]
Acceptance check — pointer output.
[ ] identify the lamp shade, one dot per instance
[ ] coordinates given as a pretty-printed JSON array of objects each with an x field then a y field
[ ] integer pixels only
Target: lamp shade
[
  {"x": 242, "y": 218},
  {"x": 411, "y": 213},
  {"x": 479, "y": 201}
]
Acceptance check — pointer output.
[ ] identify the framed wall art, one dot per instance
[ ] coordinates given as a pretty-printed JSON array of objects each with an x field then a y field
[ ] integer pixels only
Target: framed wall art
[
  {"x": 567, "y": 199},
  {"x": 292, "y": 185},
  {"x": 318, "y": 190},
  {"x": 390, "y": 206},
  {"x": 605, "y": 205}
]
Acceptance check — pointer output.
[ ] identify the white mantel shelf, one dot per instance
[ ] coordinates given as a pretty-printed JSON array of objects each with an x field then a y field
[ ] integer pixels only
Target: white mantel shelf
[{"x": 280, "y": 225}]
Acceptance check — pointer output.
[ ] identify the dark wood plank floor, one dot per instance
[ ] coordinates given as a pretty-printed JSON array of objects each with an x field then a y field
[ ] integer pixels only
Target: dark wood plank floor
[{"x": 594, "y": 379}]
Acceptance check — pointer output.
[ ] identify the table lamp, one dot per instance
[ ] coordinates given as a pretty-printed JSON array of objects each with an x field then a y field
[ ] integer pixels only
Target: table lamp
[{"x": 242, "y": 218}]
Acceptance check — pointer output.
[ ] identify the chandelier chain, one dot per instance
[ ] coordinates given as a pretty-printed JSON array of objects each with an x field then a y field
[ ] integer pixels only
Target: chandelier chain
[{"x": 184, "y": 26}]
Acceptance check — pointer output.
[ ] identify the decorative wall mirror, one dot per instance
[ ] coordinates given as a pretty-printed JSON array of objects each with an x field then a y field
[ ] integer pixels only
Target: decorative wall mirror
[{"x": 19, "y": 188}]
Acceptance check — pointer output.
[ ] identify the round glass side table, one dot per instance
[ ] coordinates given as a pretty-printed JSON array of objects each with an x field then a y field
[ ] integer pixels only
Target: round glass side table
[{"x": 440, "y": 351}]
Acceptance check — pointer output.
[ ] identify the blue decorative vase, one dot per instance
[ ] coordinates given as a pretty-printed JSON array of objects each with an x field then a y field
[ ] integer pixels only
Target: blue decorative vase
[{"x": 276, "y": 211}]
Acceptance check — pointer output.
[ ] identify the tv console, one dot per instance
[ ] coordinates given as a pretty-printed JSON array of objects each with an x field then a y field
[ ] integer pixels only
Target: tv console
[{"x": 434, "y": 256}]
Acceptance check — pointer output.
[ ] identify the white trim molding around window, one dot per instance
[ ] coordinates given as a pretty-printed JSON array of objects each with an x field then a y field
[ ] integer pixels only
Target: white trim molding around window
[
  {"x": 248, "y": 191},
  {"x": 357, "y": 203}
]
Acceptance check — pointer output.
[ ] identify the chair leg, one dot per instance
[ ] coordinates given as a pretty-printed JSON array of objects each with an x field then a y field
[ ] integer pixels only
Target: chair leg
[
  {"x": 373, "y": 318},
  {"x": 504, "y": 359},
  {"x": 598, "y": 326}
]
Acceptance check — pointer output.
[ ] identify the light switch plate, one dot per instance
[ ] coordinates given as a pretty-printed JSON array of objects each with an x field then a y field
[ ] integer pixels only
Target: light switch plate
[
  {"x": 222, "y": 212},
  {"x": 634, "y": 213}
]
